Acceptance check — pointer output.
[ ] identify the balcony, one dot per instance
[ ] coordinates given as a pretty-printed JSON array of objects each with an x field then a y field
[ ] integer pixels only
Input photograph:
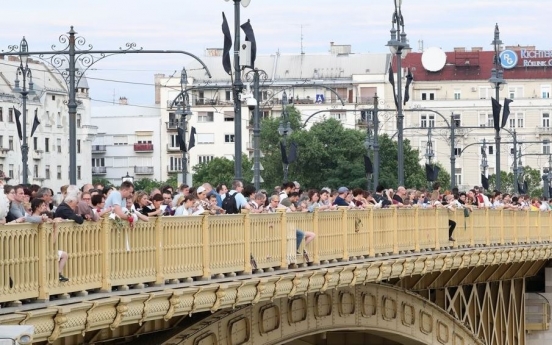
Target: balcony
[
  {"x": 99, "y": 170},
  {"x": 171, "y": 148},
  {"x": 37, "y": 154},
  {"x": 143, "y": 170},
  {"x": 172, "y": 125},
  {"x": 4, "y": 152},
  {"x": 249, "y": 146},
  {"x": 543, "y": 131},
  {"x": 143, "y": 147},
  {"x": 98, "y": 148}
]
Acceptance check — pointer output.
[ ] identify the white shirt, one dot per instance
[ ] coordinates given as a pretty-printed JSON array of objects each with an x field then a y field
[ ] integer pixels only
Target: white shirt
[{"x": 283, "y": 195}]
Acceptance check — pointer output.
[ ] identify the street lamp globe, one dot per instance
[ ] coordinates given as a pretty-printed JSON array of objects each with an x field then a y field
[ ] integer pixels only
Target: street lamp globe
[
  {"x": 244, "y": 3},
  {"x": 24, "y": 49},
  {"x": 127, "y": 178}
]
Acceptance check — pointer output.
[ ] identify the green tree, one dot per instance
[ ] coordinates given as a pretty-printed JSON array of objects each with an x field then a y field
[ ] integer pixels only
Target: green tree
[
  {"x": 532, "y": 176},
  {"x": 221, "y": 170},
  {"x": 100, "y": 180}
]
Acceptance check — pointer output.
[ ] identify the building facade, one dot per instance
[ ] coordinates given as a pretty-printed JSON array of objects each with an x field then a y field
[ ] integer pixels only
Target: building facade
[
  {"x": 127, "y": 143},
  {"x": 48, "y": 147},
  {"x": 458, "y": 85},
  {"x": 306, "y": 79}
]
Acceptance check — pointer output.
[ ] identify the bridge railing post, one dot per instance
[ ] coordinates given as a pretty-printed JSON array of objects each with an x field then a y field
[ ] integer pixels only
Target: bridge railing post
[
  {"x": 344, "y": 231},
  {"x": 471, "y": 230},
  {"x": 436, "y": 217},
  {"x": 371, "y": 235},
  {"x": 501, "y": 225},
  {"x": 316, "y": 243},
  {"x": 106, "y": 255},
  {"x": 416, "y": 230},
  {"x": 247, "y": 243},
  {"x": 487, "y": 228},
  {"x": 43, "y": 294},
  {"x": 395, "y": 230},
  {"x": 159, "y": 274},
  {"x": 206, "y": 252},
  {"x": 527, "y": 226},
  {"x": 283, "y": 235}
]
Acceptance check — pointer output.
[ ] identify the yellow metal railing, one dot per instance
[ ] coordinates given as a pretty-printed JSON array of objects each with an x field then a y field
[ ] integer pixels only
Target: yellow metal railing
[{"x": 169, "y": 249}]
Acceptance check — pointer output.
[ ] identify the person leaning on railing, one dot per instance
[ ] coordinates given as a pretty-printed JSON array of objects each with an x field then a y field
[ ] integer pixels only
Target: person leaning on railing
[
  {"x": 66, "y": 210},
  {"x": 117, "y": 200}
]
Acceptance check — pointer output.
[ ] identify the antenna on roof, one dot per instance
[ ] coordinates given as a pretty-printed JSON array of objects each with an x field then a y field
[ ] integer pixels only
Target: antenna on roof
[
  {"x": 302, "y": 38},
  {"x": 421, "y": 46}
]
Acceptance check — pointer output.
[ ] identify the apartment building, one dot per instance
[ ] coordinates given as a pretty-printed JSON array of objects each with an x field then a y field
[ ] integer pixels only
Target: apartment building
[
  {"x": 49, "y": 146},
  {"x": 456, "y": 83}
]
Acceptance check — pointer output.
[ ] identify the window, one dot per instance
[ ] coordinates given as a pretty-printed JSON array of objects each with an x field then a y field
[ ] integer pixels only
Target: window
[
  {"x": 339, "y": 116},
  {"x": 78, "y": 146},
  {"x": 431, "y": 121},
  {"x": 205, "y": 116},
  {"x": 173, "y": 141},
  {"x": 546, "y": 147},
  {"x": 545, "y": 91},
  {"x": 205, "y": 138},
  {"x": 11, "y": 171},
  {"x": 423, "y": 121},
  {"x": 47, "y": 172},
  {"x": 46, "y": 144},
  {"x": 427, "y": 120},
  {"x": 35, "y": 171},
  {"x": 515, "y": 92},
  {"x": 516, "y": 120},
  {"x": 229, "y": 138},
  {"x": 457, "y": 120},
  {"x": 10, "y": 115},
  {"x": 58, "y": 145},
  {"x": 458, "y": 176},
  {"x": 2, "y": 167},
  {"x": 457, "y": 151},
  {"x": 120, "y": 140},
  {"x": 486, "y": 120},
  {"x": 58, "y": 122},
  {"x": 265, "y": 114},
  {"x": 228, "y": 95},
  {"x": 205, "y": 159},
  {"x": 457, "y": 94},
  {"x": 1, "y": 114},
  {"x": 1, "y": 143},
  {"x": 10, "y": 143},
  {"x": 546, "y": 120},
  {"x": 490, "y": 149},
  {"x": 229, "y": 116},
  {"x": 485, "y": 92},
  {"x": 79, "y": 118},
  {"x": 175, "y": 163},
  {"x": 79, "y": 171},
  {"x": 98, "y": 162},
  {"x": 428, "y": 96},
  {"x": 264, "y": 95},
  {"x": 35, "y": 143},
  {"x": 53, "y": 97},
  {"x": 59, "y": 172},
  {"x": 201, "y": 97}
]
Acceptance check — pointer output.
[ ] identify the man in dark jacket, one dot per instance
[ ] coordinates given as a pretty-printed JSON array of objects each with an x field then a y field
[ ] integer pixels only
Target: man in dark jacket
[{"x": 66, "y": 210}]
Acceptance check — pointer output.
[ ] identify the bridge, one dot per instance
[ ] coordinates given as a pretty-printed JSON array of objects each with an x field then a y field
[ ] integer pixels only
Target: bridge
[{"x": 387, "y": 275}]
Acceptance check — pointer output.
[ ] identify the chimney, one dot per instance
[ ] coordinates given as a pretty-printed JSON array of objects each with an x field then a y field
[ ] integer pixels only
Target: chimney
[
  {"x": 459, "y": 49},
  {"x": 123, "y": 101},
  {"x": 157, "y": 77},
  {"x": 477, "y": 49},
  {"x": 214, "y": 51}
]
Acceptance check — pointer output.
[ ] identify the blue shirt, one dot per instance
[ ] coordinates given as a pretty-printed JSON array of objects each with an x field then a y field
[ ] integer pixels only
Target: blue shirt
[
  {"x": 114, "y": 198},
  {"x": 240, "y": 199},
  {"x": 339, "y": 201}
]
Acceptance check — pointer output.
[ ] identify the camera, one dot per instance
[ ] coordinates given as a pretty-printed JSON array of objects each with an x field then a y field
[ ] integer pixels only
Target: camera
[{"x": 248, "y": 98}]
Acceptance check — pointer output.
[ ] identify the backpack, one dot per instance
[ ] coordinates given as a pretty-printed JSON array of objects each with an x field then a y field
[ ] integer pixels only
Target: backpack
[{"x": 229, "y": 204}]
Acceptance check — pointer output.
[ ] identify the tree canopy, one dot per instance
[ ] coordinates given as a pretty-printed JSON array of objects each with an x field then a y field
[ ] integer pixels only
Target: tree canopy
[{"x": 328, "y": 155}]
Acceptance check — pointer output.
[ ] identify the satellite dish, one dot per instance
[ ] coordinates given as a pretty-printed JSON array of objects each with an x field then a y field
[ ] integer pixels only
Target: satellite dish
[{"x": 434, "y": 59}]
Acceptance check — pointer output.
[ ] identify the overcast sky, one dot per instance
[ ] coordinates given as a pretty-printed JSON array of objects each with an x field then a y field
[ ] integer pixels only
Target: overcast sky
[{"x": 193, "y": 25}]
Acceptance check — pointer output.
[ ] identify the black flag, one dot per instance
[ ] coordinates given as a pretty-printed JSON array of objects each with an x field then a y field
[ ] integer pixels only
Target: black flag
[
  {"x": 432, "y": 172},
  {"x": 18, "y": 123},
  {"x": 520, "y": 188},
  {"x": 368, "y": 167},
  {"x": 227, "y": 46},
  {"x": 485, "y": 181},
  {"x": 409, "y": 79},
  {"x": 392, "y": 81},
  {"x": 192, "y": 138},
  {"x": 35, "y": 123},
  {"x": 284, "y": 154},
  {"x": 525, "y": 187},
  {"x": 292, "y": 157},
  {"x": 496, "y": 113},
  {"x": 180, "y": 139},
  {"x": 506, "y": 111},
  {"x": 250, "y": 36}
]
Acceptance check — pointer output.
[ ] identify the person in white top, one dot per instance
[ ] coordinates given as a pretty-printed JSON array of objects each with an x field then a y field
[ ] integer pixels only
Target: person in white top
[{"x": 287, "y": 188}]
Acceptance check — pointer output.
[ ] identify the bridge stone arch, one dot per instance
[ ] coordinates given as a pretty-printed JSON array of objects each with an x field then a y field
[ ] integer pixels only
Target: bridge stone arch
[{"x": 373, "y": 308}]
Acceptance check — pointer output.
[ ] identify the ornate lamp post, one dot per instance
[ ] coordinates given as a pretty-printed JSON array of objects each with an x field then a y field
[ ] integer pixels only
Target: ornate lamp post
[
  {"x": 497, "y": 82},
  {"x": 284, "y": 129},
  {"x": 398, "y": 46},
  {"x": 183, "y": 110},
  {"x": 256, "y": 74},
  {"x": 127, "y": 178},
  {"x": 24, "y": 71}
]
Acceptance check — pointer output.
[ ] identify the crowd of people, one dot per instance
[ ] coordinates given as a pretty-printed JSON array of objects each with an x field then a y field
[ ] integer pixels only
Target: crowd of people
[{"x": 35, "y": 204}]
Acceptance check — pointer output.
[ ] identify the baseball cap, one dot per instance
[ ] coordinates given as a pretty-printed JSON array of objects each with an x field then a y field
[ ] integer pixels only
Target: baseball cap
[
  {"x": 200, "y": 189},
  {"x": 342, "y": 190}
]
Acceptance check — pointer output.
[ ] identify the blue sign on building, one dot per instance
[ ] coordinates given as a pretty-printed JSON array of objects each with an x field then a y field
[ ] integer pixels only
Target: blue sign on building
[
  {"x": 320, "y": 98},
  {"x": 508, "y": 59}
]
